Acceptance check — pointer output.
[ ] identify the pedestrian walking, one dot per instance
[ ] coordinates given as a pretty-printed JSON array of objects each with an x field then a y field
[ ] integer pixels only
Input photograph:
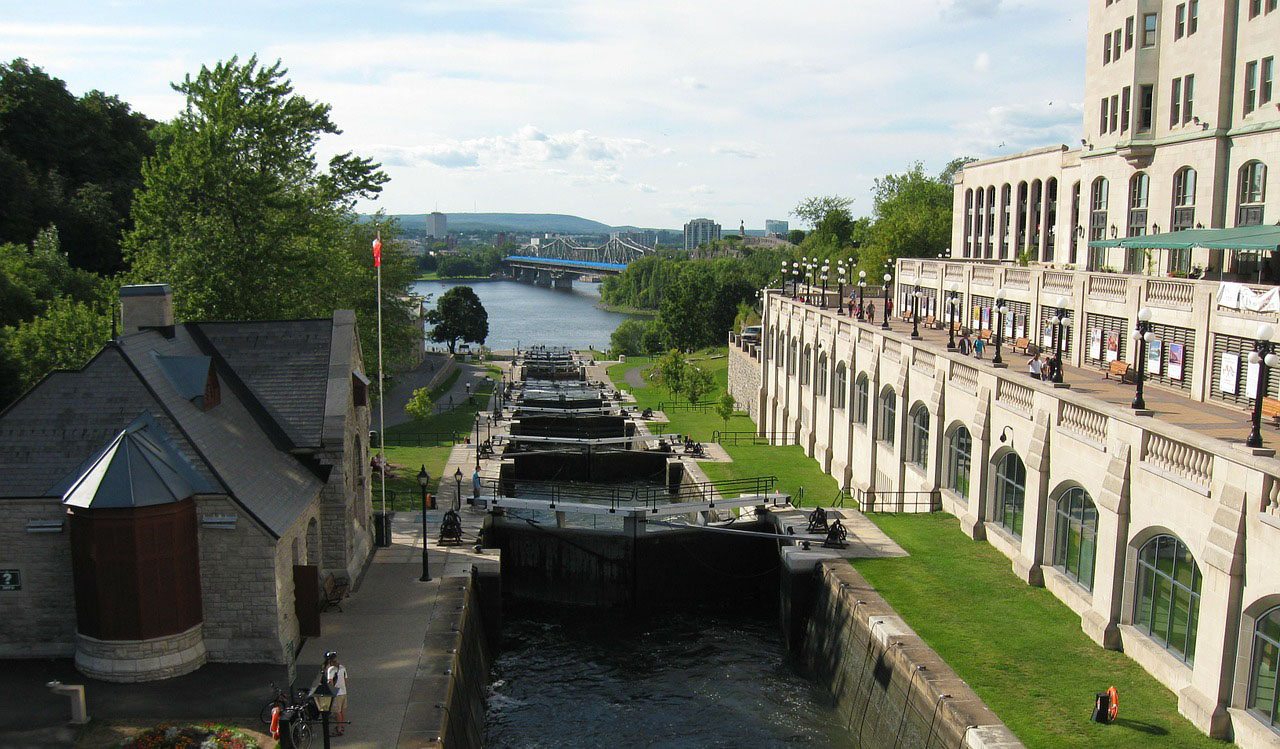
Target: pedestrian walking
[
  {"x": 475, "y": 485},
  {"x": 336, "y": 676},
  {"x": 979, "y": 346},
  {"x": 965, "y": 346},
  {"x": 1036, "y": 366},
  {"x": 888, "y": 308},
  {"x": 871, "y": 312}
]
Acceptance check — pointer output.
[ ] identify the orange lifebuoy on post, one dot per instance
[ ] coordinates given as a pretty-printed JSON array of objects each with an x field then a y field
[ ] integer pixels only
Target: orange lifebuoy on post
[
  {"x": 1114, "y": 709},
  {"x": 275, "y": 722}
]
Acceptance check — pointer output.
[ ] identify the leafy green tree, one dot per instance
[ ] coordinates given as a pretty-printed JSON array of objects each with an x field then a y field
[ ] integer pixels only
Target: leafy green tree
[
  {"x": 814, "y": 209},
  {"x": 671, "y": 371},
  {"x": 459, "y": 315},
  {"x": 651, "y": 341},
  {"x": 724, "y": 408},
  {"x": 696, "y": 383},
  {"x": 419, "y": 405},
  {"x": 628, "y": 338},
  {"x": 65, "y": 336},
  {"x": 912, "y": 214}
]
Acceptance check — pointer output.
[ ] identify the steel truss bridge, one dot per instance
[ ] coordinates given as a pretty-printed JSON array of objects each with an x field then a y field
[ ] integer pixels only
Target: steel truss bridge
[{"x": 559, "y": 261}]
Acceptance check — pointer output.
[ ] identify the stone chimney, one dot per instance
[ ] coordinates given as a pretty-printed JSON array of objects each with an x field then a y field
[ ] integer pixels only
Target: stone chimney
[{"x": 146, "y": 305}]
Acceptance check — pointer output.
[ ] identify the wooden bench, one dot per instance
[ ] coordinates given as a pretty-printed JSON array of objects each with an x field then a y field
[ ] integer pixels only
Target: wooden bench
[
  {"x": 1271, "y": 411},
  {"x": 335, "y": 589},
  {"x": 1120, "y": 369}
]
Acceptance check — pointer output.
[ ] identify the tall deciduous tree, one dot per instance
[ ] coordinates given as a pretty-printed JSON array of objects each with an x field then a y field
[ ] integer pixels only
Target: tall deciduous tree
[
  {"x": 459, "y": 316},
  {"x": 696, "y": 383},
  {"x": 913, "y": 213},
  {"x": 814, "y": 209},
  {"x": 671, "y": 370}
]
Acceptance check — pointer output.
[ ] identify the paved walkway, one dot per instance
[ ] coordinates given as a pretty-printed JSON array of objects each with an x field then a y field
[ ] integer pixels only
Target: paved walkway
[{"x": 1210, "y": 419}]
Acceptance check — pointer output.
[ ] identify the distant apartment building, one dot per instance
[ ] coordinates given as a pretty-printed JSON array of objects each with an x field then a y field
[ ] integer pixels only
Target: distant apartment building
[
  {"x": 644, "y": 238},
  {"x": 776, "y": 228},
  {"x": 700, "y": 231},
  {"x": 437, "y": 225}
]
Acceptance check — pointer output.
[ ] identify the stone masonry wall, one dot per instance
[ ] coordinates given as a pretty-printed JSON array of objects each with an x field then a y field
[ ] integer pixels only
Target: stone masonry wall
[
  {"x": 238, "y": 587},
  {"x": 38, "y": 621},
  {"x": 744, "y": 379}
]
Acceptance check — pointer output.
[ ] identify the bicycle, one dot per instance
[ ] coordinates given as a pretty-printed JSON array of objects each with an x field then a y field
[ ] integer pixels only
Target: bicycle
[{"x": 279, "y": 699}]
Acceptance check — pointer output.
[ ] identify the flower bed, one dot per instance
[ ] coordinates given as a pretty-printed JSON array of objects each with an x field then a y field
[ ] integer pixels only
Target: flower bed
[{"x": 203, "y": 736}]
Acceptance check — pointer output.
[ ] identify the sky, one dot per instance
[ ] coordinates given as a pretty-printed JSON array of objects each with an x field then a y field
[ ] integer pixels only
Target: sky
[{"x": 644, "y": 113}]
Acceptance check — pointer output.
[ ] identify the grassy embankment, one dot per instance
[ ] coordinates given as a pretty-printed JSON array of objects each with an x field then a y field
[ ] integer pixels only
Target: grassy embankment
[
  {"x": 433, "y": 276},
  {"x": 1019, "y": 647},
  {"x": 403, "y": 492}
]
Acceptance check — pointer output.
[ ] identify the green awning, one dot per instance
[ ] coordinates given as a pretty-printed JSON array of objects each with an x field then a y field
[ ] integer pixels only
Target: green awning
[{"x": 1237, "y": 238}]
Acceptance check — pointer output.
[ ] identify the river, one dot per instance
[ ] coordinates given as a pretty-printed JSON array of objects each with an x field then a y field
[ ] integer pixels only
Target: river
[{"x": 521, "y": 314}]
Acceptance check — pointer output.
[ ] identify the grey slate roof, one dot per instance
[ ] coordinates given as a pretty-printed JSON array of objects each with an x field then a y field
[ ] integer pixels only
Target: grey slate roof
[
  {"x": 140, "y": 468},
  {"x": 274, "y": 377},
  {"x": 285, "y": 364}
]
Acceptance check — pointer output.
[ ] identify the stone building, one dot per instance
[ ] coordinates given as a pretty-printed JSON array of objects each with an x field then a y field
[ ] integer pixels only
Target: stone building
[
  {"x": 1160, "y": 537},
  {"x": 180, "y": 498},
  {"x": 1181, "y": 130}
]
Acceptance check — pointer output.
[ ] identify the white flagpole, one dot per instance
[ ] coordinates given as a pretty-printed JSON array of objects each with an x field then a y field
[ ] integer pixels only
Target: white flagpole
[{"x": 382, "y": 422}]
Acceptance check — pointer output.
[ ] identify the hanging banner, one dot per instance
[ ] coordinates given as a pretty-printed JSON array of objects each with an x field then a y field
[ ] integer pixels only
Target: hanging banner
[
  {"x": 1095, "y": 343},
  {"x": 1154, "y": 349},
  {"x": 1229, "y": 376},
  {"x": 1113, "y": 346},
  {"x": 1176, "y": 352}
]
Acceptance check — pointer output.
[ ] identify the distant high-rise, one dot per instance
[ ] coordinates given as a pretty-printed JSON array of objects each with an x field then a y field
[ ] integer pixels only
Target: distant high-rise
[
  {"x": 437, "y": 225},
  {"x": 775, "y": 228},
  {"x": 642, "y": 237},
  {"x": 699, "y": 232}
]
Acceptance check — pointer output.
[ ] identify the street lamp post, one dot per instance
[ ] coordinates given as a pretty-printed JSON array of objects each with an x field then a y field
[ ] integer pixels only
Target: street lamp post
[
  {"x": 1264, "y": 356},
  {"x": 888, "y": 278},
  {"x": 795, "y": 278},
  {"x": 862, "y": 285},
  {"x": 1001, "y": 310},
  {"x": 825, "y": 268},
  {"x": 457, "y": 498},
  {"x": 424, "y": 478},
  {"x": 1142, "y": 335},
  {"x": 1061, "y": 323},
  {"x": 952, "y": 288},
  {"x": 477, "y": 441},
  {"x": 786, "y": 268},
  {"x": 323, "y": 696},
  {"x": 840, "y": 279},
  {"x": 915, "y": 313}
]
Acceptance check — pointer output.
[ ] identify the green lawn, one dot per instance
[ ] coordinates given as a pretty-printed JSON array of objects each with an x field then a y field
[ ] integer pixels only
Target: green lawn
[
  {"x": 789, "y": 463},
  {"x": 1020, "y": 648}
]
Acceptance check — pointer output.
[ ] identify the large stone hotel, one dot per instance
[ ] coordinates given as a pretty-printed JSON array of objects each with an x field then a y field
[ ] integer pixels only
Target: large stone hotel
[{"x": 1157, "y": 522}]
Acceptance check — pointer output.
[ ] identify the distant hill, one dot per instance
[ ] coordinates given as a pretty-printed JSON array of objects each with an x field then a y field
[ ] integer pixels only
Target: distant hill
[{"x": 530, "y": 223}]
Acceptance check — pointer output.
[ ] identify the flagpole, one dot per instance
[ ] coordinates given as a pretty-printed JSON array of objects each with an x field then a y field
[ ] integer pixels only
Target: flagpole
[{"x": 382, "y": 421}]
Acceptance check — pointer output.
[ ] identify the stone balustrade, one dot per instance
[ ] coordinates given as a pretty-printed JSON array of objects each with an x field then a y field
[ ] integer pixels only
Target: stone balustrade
[{"x": 1084, "y": 422}]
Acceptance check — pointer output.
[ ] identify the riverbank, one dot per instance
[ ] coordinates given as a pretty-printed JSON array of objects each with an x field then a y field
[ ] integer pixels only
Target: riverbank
[
  {"x": 623, "y": 310},
  {"x": 433, "y": 276}
]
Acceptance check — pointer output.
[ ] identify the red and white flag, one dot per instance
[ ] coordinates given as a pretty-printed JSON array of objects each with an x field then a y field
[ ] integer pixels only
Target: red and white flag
[{"x": 377, "y": 251}]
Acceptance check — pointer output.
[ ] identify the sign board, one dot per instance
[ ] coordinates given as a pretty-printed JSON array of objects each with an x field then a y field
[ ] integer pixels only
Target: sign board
[
  {"x": 1230, "y": 374},
  {"x": 1153, "y": 356},
  {"x": 10, "y": 579},
  {"x": 1176, "y": 353},
  {"x": 1095, "y": 343}
]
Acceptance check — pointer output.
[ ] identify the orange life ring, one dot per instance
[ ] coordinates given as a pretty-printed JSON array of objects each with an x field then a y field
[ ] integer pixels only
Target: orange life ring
[
  {"x": 275, "y": 722},
  {"x": 1114, "y": 698}
]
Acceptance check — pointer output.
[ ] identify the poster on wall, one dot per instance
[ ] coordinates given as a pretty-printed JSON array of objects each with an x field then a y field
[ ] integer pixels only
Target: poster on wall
[
  {"x": 1008, "y": 325},
  {"x": 1113, "y": 346},
  {"x": 986, "y": 318},
  {"x": 1176, "y": 353},
  {"x": 1230, "y": 373},
  {"x": 1251, "y": 373},
  {"x": 973, "y": 321},
  {"x": 1095, "y": 343},
  {"x": 1021, "y": 331},
  {"x": 1046, "y": 337},
  {"x": 1154, "y": 348},
  {"x": 933, "y": 307}
]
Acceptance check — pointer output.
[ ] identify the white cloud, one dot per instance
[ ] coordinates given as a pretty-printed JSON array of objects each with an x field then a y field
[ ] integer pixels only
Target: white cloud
[
  {"x": 642, "y": 187},
  {"x": 970, "y": 8},
  {"x": 741, "y": 150},
  {"x": 689, "y": 83},
  {"x": 527, "y": 148},
  {"x": 982, "y": 63}
]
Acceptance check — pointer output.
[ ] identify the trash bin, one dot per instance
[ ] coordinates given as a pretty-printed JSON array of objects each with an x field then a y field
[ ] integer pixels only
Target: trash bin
[{"x": 382, "y": 528}]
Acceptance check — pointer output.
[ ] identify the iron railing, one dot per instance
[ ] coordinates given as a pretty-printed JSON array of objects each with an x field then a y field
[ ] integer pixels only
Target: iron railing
[
  {"x": 420, "y": 439},
  {"x": 897, "y": 502},
  {"x": 627, "y": 496},
  {"x": 702, "y": 406},
  {"x": 755, "y": 438}
]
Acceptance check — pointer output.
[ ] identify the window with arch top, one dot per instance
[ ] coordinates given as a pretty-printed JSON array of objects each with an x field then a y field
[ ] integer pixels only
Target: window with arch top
[
  {"x": 959, "y": 460},
  {"x": 887, "y": 415},
  {"x": 806, "y": 363},
  {"x": 1251, "y": 194},
  {"x": 1166, "y": 597},
  {"x": 1263, "y": 680},
  {"x": 1075, "y": 536},
  {"x": 861, "y": 399},
  {"x": 919, "y": 437},
  {"x": 1011, "y": 490},
  {"x": 841, "y": 385},
  {"x": 791, "y": 357},
  {"x": 820, "y": 379}
]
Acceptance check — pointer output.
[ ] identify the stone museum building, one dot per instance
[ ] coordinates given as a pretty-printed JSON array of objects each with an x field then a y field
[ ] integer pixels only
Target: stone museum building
[{"x": 183, "y": 497}]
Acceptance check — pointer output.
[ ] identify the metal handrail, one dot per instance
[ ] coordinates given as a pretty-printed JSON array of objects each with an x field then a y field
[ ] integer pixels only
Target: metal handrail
[
  {"x": 872, "y": 502},
  {"x": 618, "y": 497},
  {"x": 723, "y": 437}
]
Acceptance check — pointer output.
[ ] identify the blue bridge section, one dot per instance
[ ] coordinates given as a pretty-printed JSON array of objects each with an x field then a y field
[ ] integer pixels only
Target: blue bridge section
[{"x": 580, "y": 264}]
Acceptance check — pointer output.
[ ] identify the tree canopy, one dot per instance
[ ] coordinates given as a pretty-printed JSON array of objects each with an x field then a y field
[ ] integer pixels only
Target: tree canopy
[{"x": 459, "y": 316}]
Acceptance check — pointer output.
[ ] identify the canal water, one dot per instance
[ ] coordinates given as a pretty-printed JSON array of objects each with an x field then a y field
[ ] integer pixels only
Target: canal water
[
  {"x": 521, "y": 314},
  {"x": 568, "y": 678}
]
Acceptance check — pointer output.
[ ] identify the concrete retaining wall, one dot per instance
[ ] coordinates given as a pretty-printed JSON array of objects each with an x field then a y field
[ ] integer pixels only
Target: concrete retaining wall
[
  {"x": 744, "y": 377},
  {"x": 891, "y": 688}
]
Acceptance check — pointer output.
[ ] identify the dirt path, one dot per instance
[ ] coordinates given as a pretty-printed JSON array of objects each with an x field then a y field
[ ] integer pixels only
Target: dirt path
[{"x": 634, "y": 378}]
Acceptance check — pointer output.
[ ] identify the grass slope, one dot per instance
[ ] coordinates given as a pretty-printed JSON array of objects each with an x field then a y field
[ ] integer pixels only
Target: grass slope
[{"x": 1020, "y": 648}]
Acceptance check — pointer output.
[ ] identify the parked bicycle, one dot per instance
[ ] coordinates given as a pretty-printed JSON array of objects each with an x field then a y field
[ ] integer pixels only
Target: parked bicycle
[{"x": 298, "y": 713}]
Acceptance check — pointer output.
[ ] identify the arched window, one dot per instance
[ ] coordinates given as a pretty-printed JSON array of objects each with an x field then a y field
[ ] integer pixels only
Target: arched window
[
  {"x": 1098, "y": 209},
  {"x": 779, "y": 349},
  {"x": 1050, "y": 218},
  {"x": 1264, "y": 687},
  {"x": 919, "y": 439},
  {"x": 1020, "y": 231},
  {"x": 1184, "y": 199},
  {"x": 806, "y": 362},
  {"x": 887, "y": 415},
  {"x": 979, "y": 210},
  {"x": 1006, "y": 219},
  {"x": 968, "y": 223},
  {"x": 820, "y": 382},
  {"x": 791, "y": 357},
  {"x": 1011, "y": 489},
  {"x": 841, "y": 385},
  {"x": 1167, "y": 596},
  {"x": 1252, "y": 194},
  {"x": 861, "y": 399},
  {"x": 1075, "y": 536},
  {"x": 1139, "y": 188},
  {"x": 959, "y": 460},
  {"x": 991, "y": 220},
  {"x": 1075, "y": 220}
]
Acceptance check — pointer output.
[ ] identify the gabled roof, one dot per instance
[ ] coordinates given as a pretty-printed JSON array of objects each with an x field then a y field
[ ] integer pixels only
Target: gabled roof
[
  {"x": 141, "y": 467},
  {"x": 187, "y": 374}
]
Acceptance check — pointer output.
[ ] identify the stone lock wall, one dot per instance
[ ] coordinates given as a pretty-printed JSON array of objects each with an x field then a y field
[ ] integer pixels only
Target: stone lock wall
[{"x": 744, "y": 377}]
